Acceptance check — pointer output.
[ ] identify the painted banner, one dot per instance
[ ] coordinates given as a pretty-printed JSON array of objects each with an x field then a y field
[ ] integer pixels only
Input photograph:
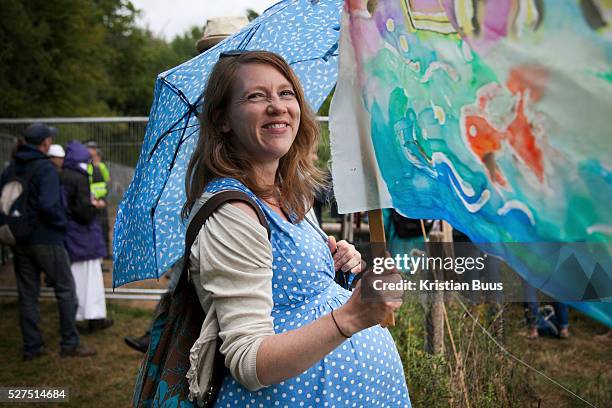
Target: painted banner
[{"x": 493, "y": 115}]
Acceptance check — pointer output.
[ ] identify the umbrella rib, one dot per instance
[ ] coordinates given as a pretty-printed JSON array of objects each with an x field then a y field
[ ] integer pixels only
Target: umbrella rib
[
  {"x": 190, "y": 109},
  {"x": 178, "y": 146},
  {"x": 166, "y": 133},
  {"x": 247, "y": 38},
  {"x": 314, "y": 59},
  {"x": 154, "y": 207},
  {"x": 178, "y": 92},
  {"x": 184, "y": 139}
]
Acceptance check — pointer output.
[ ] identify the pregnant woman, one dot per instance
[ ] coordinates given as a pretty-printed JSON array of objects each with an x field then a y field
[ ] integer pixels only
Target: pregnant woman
[{"x": 290, "y": 335}]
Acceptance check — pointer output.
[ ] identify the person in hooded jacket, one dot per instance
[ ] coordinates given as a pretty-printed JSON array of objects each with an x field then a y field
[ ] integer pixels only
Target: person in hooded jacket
[
  {"x": 44, "y": 249},
  {"x": 84, "y": 240}
]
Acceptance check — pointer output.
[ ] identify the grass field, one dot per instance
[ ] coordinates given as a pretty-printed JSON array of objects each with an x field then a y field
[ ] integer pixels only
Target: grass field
[
  {"x": 486, "y": 377},
  {"x": 100, "y": 381},
  {"x": 583, "y": 363}
]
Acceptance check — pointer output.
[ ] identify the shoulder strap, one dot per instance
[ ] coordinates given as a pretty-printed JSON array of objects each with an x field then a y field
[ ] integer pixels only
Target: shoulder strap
[
  {"x": 211, "y": 205},
  {"x": 206, "y": 211},
  {"x": 27, "y": 179}
]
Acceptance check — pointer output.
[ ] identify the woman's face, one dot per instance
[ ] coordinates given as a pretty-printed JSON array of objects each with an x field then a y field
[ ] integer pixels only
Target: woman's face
[{"x": 263, "y": 114}]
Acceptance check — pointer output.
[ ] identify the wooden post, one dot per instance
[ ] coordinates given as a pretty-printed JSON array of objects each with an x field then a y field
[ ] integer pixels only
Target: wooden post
[
  {"x": 434, "y": 313},
  {"x": 447, "y": 233},
  {"x": 377, "y": 228},
  {"x": 377, "y": 234}
]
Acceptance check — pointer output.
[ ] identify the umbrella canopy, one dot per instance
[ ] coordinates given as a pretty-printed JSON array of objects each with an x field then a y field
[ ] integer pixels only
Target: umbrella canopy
[{"x": 149, "y": 231}]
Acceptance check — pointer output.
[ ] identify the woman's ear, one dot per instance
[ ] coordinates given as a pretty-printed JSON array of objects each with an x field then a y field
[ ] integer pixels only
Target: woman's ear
[
  {"x": 225, "y": 127},
  {"x": 221, "y": 119}
]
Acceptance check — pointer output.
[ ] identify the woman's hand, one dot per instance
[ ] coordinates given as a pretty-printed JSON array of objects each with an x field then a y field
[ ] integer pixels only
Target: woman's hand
[
  {"x": 98, "y": 203},
  {"x": 358, "y": 314},
  {"x": 346, "y": 257}
]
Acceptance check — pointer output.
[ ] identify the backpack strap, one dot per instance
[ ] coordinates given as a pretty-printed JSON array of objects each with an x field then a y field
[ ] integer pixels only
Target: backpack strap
[
  {"x": 198, "y": 220},
  {"x": 209, "y": 207},
  {"x": 26, "y": 180}
]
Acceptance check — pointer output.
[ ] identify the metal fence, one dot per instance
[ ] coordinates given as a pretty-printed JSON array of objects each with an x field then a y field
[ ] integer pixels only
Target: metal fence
[{"x": 120, "y": 141}]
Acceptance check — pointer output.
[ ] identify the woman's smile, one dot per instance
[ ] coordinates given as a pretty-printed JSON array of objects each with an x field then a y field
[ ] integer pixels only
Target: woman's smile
[{"x": 264, "y": 114}]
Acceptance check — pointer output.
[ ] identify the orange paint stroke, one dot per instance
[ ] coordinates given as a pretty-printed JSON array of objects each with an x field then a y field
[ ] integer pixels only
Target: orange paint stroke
[{"x": 527, "y": 83}]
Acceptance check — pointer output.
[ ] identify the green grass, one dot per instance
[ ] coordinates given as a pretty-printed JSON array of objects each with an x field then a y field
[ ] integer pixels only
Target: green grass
[
  {"x": 98, "y": 381},
  {"x": 583, "y": 363},
  {"x": 494, "y": 380}
]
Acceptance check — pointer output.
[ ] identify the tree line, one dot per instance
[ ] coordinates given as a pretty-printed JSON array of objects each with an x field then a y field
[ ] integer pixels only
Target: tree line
[{"x": 81, "y": 58}]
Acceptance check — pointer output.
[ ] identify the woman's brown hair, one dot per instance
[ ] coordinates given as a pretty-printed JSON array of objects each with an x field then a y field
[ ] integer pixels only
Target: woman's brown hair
[{"x": 218, "y": 154}]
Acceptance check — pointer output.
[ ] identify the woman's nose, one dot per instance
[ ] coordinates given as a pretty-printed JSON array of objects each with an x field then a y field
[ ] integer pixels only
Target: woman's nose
[{"x": 276, "y": 106}]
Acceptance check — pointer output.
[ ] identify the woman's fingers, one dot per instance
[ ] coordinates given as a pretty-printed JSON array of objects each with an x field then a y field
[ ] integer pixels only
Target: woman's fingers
[
  {"x": 362, "y": 314},
  {"x": 331, "y": 243},
  {"x": 346, "y": 257},
  {"x": 342, "y": 247},
  {"x": 358, "y": 269},
  {"x": 352, "y": 263}
]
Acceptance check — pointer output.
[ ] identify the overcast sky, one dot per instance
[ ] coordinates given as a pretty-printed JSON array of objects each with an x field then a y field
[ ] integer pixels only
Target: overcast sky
[{"x": 167, "y": 18}]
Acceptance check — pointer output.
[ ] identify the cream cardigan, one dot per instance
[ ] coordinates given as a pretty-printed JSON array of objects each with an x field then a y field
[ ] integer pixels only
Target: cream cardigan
[{"x": 231, "y": 269}]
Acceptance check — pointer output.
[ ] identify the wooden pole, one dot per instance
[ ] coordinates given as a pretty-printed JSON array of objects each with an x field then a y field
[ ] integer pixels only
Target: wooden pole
[
  {"x": 447, "y": 237},
  {"x": 434, "y": 314},
  {"x": 377, "y": 235},
  {"x": 377, "y": 228}
]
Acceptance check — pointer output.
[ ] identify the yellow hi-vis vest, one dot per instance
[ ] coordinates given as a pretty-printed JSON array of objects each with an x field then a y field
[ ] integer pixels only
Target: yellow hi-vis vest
[{"x": 98, "y": 187}]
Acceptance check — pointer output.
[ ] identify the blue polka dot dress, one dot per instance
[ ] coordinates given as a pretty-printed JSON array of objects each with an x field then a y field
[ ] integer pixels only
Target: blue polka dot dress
[{"x": 364, "y": 371}]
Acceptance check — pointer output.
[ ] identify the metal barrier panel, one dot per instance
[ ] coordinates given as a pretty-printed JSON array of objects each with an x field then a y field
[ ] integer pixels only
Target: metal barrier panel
[{"x": 119, "y": 139}]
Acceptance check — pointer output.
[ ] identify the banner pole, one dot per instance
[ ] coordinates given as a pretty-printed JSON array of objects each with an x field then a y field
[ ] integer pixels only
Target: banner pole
[{"x": 377, "y": 235}]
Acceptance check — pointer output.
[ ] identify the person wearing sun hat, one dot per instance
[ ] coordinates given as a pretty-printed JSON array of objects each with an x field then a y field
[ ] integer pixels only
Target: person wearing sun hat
[
  {"x": 219, "y": 28},
  {"x": 56, "y": 154}
]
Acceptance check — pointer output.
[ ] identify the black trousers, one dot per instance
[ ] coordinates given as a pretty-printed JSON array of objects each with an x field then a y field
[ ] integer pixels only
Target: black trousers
[{"x": 54, "y": 262}]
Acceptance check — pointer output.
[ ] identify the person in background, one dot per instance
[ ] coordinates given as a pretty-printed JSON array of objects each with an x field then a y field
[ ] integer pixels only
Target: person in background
[
  {"x": 5, "y": 251},
  {"x": 45, "y": 249},
  {"x": 552, "y": 320},
  {"x": 404, "y": 234},
  {"x": 215, "y": 31},
  {"x": 99, "y": 180},
  {"x": 218, "y": 29},
  {"x": 56, "y": 155},
  {"x": 84, "y": 238}
]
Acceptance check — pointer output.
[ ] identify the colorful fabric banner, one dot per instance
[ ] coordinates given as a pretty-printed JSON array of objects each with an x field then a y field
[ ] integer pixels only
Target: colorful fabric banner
[{"x": 493, "y": 115}]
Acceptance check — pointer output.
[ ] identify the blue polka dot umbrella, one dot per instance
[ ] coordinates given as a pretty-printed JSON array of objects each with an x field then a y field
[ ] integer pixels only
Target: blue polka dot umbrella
[{"x": 149, "y": 231}]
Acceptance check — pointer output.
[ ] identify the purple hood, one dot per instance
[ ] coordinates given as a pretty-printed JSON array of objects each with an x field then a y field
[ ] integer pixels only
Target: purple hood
[{"x": 76, "y": 153}]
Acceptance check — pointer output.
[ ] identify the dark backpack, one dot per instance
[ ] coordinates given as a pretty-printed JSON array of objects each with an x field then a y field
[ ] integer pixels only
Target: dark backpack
[
  {"x": 16, "y": 223},
  {"x": 176, "y": 327}
]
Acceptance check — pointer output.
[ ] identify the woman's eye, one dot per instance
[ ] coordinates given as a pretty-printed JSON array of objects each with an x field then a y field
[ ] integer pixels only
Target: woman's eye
[
  {"x": 257, "y": 96},
  {"x": 287, "y": 94}
]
